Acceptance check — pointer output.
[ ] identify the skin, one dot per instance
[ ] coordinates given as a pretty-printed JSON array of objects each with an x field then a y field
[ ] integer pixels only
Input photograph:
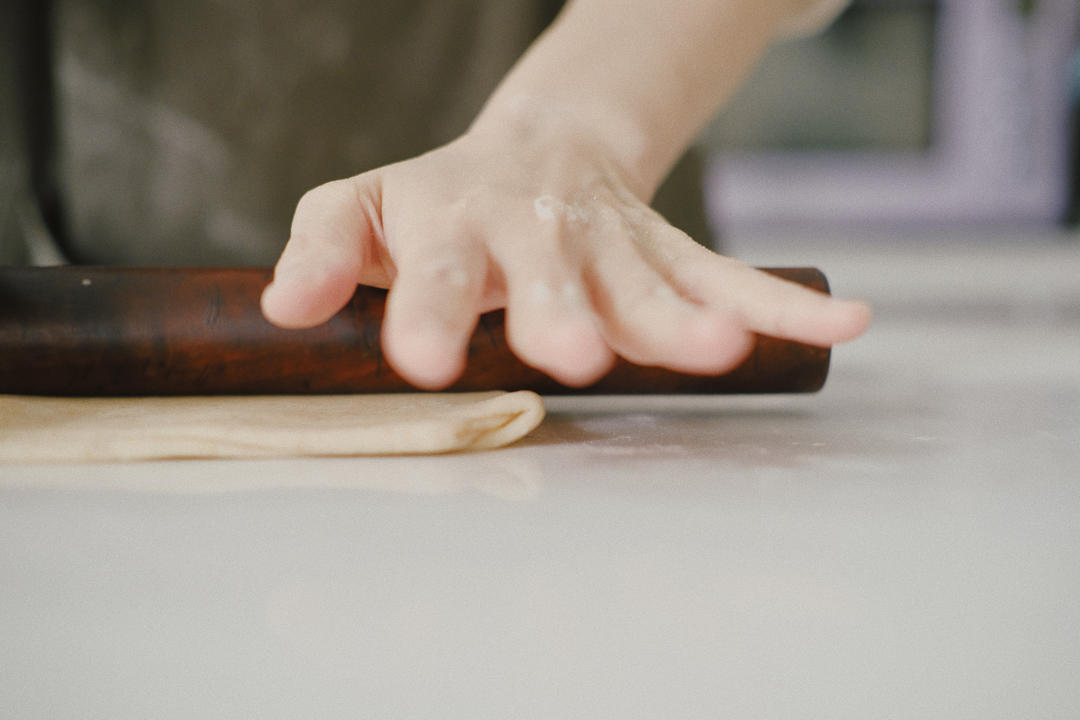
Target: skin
[{"x": 541, "y": 207}]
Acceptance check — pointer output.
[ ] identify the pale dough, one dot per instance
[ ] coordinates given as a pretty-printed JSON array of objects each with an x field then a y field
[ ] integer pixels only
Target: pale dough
[{"x": 40, "y": 429}]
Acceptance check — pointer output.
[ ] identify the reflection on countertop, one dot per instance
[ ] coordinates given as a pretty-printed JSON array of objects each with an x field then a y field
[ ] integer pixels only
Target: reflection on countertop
[{"x": 901, "y": 544}]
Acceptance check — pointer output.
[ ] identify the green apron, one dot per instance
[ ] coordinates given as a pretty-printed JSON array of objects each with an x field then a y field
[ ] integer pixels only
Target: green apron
[{"x": 184, "y": 133}]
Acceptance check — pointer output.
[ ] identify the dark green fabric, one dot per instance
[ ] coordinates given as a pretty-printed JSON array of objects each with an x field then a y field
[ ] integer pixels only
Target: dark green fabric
[
  {"x": 27, "y": 171},
  {"x": 13, "y": 179},
  {"x": 187, "y": 131}
]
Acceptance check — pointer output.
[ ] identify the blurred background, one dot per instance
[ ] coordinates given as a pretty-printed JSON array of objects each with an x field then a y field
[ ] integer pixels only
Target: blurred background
[
  {"x": 904, "y": 116},
  {"x": 910, "y": 113}
]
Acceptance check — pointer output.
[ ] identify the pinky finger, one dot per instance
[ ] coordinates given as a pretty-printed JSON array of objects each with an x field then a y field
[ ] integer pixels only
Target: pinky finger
[{"x": 773, "y": 306}]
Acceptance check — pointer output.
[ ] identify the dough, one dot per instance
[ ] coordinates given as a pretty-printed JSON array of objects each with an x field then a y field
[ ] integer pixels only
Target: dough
[{"x": 40, "y": 429}]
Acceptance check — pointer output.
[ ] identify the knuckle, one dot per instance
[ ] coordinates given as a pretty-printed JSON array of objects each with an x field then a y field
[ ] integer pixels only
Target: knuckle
[
  {"x": 319, "y": 200},
  {"x": 319, "y": 194},
  {"x": 479, "y": 200},
  {"x": 645, "y": 295},
  {"x": 471, "y": 207},
  {"x": 305, "y": 208},
  {"x": 458, "y": 220},
  {"x": 446, "y": 271}
]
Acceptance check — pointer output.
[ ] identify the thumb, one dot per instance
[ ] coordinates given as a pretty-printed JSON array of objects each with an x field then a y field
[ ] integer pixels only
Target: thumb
[{"x": 334, "y": 229}]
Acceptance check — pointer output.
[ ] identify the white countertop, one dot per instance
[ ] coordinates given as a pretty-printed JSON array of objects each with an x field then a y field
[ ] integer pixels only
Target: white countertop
[{"x": 905, "y": 544}]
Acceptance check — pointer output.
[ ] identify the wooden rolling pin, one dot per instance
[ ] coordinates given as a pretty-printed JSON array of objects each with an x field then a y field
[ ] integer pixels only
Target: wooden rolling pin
[{"x": 79, "y": 331}]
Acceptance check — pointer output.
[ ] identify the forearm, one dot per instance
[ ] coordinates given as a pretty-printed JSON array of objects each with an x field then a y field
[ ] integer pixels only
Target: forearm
[{"x": 642, "y": 77}]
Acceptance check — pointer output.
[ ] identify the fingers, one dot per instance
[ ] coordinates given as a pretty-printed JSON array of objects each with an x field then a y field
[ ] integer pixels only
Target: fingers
[
  {"x": 551, "y": 326},
  {"x": 581, "y": 283},
  {"x": 433, "y": 306},
  {"x": 584, "y": 293},
  {"x": 770, "y": 305},
  {"x": 332, "y": 242},
  {"x": 649, "y": 323}
]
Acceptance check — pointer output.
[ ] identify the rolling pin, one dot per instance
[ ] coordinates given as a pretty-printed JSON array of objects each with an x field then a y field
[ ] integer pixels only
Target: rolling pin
[{"x": 113, "y": 331}]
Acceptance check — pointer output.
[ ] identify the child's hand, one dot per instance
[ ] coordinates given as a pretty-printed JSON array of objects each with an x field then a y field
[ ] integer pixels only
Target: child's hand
[
  {"x": 541, "y": 208},
  {"x": 549, "y": 228}
]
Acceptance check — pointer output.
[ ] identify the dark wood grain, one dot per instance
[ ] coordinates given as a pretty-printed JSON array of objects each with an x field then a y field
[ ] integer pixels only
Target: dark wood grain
[{"x": 79, "y": 331}]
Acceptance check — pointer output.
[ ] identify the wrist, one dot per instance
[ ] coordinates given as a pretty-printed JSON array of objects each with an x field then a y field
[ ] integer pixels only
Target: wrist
[{"x": 592, "y": 127}]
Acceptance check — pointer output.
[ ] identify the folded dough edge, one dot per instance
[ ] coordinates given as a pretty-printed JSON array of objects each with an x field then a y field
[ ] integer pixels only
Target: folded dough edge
[{"x": 42, "y": 429}]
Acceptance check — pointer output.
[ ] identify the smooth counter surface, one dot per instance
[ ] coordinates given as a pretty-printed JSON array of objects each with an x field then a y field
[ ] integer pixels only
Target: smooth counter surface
[{"x": 905, "y": 544}]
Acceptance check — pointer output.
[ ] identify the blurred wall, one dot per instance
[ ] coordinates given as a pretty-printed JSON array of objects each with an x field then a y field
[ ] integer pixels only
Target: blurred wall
[{"x": 905, "y": 111}]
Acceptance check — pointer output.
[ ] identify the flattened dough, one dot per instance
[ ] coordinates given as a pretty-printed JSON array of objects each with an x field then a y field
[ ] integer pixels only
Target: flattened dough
[{"x": 39, "y": 429}]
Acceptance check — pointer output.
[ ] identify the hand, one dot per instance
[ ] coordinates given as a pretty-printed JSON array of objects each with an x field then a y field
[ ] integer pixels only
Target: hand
[{"x": 546, "y": 225}]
